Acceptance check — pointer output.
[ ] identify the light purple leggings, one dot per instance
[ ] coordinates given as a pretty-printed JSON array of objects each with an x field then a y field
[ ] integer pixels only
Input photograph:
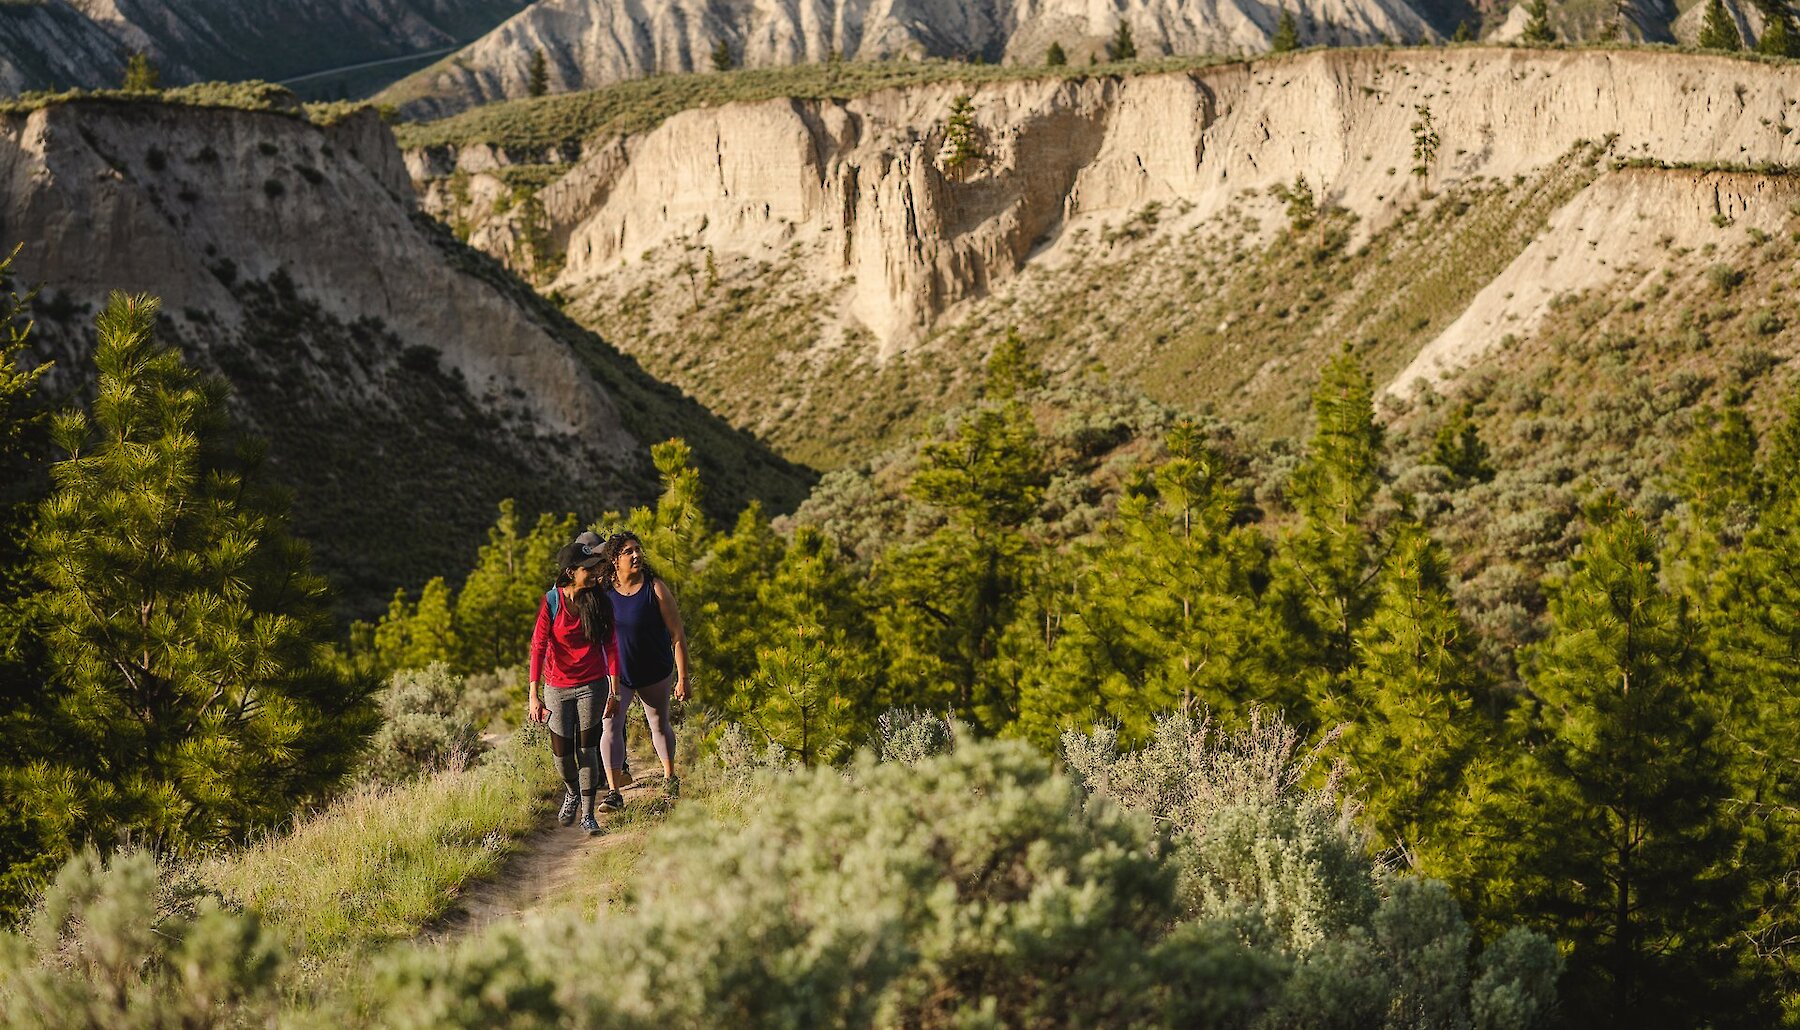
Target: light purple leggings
[{"x": 656, "y": 713}]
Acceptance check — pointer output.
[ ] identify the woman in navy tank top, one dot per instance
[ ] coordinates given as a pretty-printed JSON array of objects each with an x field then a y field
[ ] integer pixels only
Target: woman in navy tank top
[{"x": 653, "y": 660}]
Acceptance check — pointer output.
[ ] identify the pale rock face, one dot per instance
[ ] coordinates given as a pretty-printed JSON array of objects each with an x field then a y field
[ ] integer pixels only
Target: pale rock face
[
  {"x": 1614, "y": 230},
  {"x": 903, "y": 242},
  {"x": 70, "y": 43},
  {"x": 590, "y": 43},
  {"x": 77, "y": 186}
]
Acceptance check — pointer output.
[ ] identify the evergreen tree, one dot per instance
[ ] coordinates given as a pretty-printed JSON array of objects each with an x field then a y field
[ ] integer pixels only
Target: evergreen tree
[
  {"x": 412, "y": 636},
  {"x": 1464, "y": 33},
  {"x": 1165, "y": 612},
  {"x": 1055, "y": 57},
  {"x": 498, "y": 604},
  {"x": 962, "y": 137},
  {"x": 727, "y": 623},
  {"x": 816, "y": 666},
  {"x": 537, "y": 77},
  {"x": 1458, "y": 447},
  {"x": 27, "y": 858},
  {"x": 1779, "y": 37},
  {"x": 1537, "y": 25},
  {"x": 951, "y": 596},
  {"x": 141, "y": 76},
  {"x": 1719, "y": 31},
  {"x": 1287, "y": 33},
  {"x": 722, "y": 60},
  {"x": 674, "y": 533},
  {"x": 1325, "y": 573},
  {"x": 1410, "y": 721},
  {"x": 187, "y": 636},
  {"x": 1121, "y": 47},
  {"x": 1623, "y": 850}
]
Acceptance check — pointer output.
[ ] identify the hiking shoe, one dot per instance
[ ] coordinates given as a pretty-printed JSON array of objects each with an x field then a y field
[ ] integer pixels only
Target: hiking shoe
[
  {"x": 571, "y": 807},
  {"x": 613, "y": 801},
  {"x": 672, "y": 787},
  {"x": 592, "y": 827}
]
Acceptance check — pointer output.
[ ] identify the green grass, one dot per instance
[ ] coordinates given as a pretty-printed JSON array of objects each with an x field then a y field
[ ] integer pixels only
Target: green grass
[
  {"x": 380, "y": 863},
  {"x": 241, "y": 96}
]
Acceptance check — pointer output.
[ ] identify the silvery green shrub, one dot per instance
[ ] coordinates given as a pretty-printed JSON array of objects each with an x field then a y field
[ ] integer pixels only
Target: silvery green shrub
[
  {"x": 426, "y": 725},
  {"x": 111, "y": 945},
  {"x": 910, "y": 735}
]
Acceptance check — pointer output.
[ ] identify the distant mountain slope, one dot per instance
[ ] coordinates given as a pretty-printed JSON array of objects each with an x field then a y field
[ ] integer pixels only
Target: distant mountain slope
[
  {"x": 589, "y": 43},
  {"x": 82, "y": 43},
  {"x": 406, "y": 384},
  {"x": 826, "y": 253}
]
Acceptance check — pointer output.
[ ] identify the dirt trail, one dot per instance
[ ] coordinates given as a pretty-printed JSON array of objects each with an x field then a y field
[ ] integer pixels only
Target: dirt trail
[{"x": 546, "y": 866}]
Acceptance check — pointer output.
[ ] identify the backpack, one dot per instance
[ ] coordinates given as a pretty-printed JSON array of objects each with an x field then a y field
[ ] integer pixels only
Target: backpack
[{"x": 553, "y": 600}]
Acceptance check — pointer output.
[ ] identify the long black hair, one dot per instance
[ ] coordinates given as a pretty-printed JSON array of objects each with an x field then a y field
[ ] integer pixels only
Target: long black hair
[{"x": 591, "y": 607}]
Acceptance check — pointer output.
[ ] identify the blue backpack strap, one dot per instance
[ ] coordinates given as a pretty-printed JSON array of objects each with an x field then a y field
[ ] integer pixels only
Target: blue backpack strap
[{"x": 553, "y": 600}]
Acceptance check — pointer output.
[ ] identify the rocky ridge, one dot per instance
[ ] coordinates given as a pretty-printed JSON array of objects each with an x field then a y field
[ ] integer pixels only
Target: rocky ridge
[
  {"x": 856, "y": 200},
  {"x": 60, "y": 44},
  {"x": 588, "y": 43},
  {"x": 375, "y": 352}
]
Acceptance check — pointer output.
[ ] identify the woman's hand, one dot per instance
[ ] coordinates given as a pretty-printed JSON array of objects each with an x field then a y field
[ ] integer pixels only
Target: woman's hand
[
  {"x": 683, "y": 688},
  {"x": 538, "y": 711},
  {"x": 612, "y": 706}
]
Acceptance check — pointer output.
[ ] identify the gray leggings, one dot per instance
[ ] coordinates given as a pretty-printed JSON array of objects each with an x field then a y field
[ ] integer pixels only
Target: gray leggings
[
  {"x": 575, "y": 736},
  {"x": 656, "y": 713}
]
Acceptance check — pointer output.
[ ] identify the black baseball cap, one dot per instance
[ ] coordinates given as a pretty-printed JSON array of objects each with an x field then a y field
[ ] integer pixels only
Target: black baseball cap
[{"x": 575, "y": 556}]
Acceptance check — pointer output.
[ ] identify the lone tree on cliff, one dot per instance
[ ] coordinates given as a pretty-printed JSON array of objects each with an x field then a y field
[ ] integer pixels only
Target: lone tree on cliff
[
  {"x": 1121, "y": 47},
  {"x": 1287, "y": 34},
  {"x": 1537, "y": 27},
  {"x": 962, "y": 137},
  {"x": 539, "y": 75},
  {"x": 1055, "y": 57},
  {"x": 141, "y": 76},
  {"x": 721, "y": 57},
  {"x": 1720, "y": 31}
]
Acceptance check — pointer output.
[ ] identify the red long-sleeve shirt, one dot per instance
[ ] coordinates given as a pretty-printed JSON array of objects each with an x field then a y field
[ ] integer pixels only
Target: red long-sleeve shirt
[{"x": 561, "y": 653}]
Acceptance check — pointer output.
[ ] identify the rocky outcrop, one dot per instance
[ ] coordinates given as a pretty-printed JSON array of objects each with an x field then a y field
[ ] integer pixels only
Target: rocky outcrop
[
  {"x": 405, "y": 383},
  {"x": 59, "y": 44},
  {"x": 1617, "y": 231},
  {"x": 906, "y": 238},
  {"x": 588, "y": 43}
]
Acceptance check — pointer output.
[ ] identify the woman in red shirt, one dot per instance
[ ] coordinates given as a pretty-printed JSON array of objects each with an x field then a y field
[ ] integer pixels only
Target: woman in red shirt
[{"x": 571, "y": 654}]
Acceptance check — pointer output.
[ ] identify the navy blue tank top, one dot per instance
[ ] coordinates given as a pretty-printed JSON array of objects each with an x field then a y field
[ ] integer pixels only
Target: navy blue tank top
[{"x": 646, "y": 654}]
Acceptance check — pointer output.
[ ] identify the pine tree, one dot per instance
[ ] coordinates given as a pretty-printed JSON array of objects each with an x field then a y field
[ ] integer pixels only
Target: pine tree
[
  {"x": 187, "y": 636},
  {"x": 1411, "y": 722},
  {"x": 1121, "y": 47},
  {"x": 1537, "y": 26},
  {"x": 675, "y": 532},
  {"x": 951, "y": 597},
  {"x": 813, "y": 688},
  {"x": 29, "y": 851},
  {"x": 1623, "y": 849},
  {"x": 722, "y": 61},
  {"x": 1055, "y": 57},
  {"x": 1165, "y": 612},
  {"x": 1287, "y": 33},
  {"x": 1719, "y": 31},
  {"x": 537, "y": 76},
  {"x": 1325, "y": 572},
  {"x": 414, "y": 635},
  {"x": 1779, "y": 38},
  {"x": 141, "y": 76},
  {"x": 497, "y": 606},
  {"x": 1464, "y": 33},
  {"x": 1458, "y": 447},
  {"x": 962, "y": 137},
  {"x": 727, "y": 623}
]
